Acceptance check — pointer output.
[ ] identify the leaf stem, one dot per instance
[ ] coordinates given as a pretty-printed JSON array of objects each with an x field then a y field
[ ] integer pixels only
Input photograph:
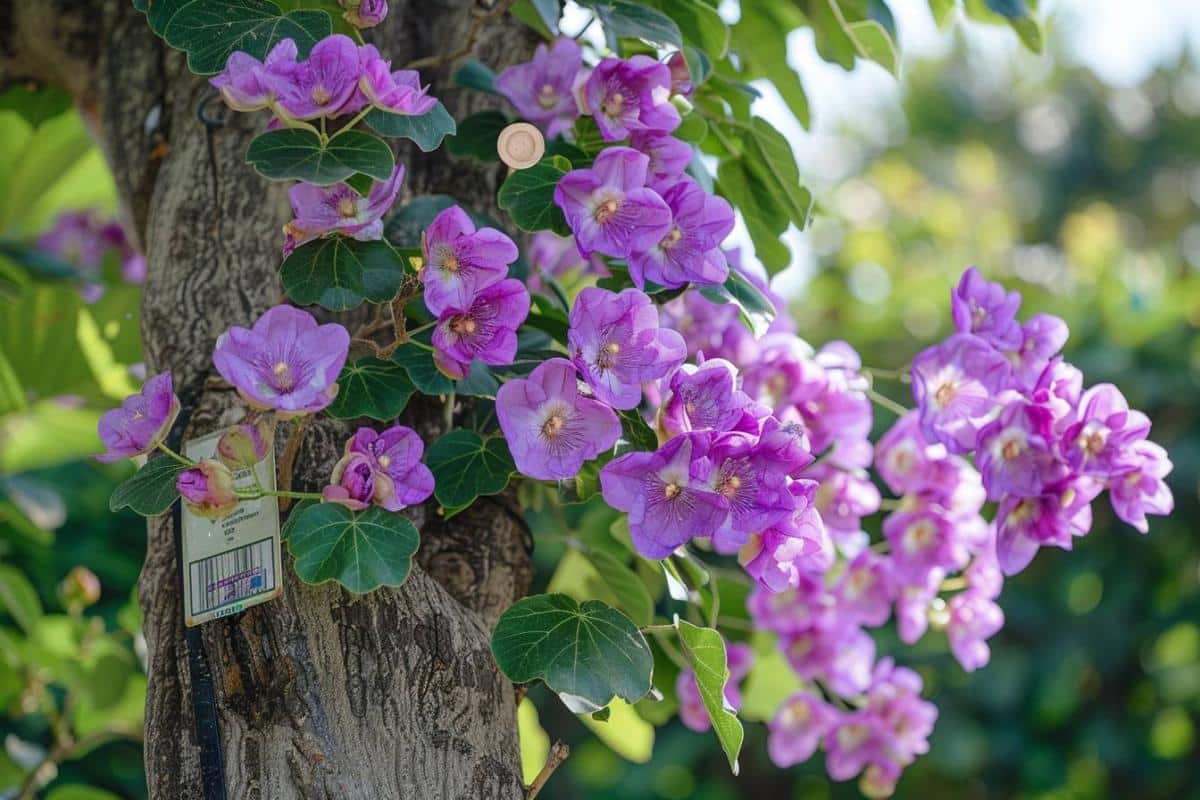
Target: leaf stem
[
  {"x": 887, "y": 402},
  {"x": 185, "y": 461}
]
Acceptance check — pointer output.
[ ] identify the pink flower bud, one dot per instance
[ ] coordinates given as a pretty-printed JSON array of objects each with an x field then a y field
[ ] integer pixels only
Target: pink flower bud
[
  {"x": 364, "y": 13},
  {"x": 246, "y": 444},
  {"x": 207, "y": 488},
  {"x": 80, "y": 588}
]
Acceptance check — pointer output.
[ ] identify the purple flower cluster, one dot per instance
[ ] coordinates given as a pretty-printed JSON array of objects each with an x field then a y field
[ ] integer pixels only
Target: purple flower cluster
[
  {"x": 478, "y": 308},
  {"x": 1045, "y": 447},
  {"x": 382, "y": 469},
  {"x": 338, "y": 78},
  {"x": 84, "y": 240}
]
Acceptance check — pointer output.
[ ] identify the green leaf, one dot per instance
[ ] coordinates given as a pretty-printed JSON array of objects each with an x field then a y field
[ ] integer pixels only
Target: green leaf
[
  {"x": 466, "y": 466},
  {"x": 476, "y": 75},
  {"x": 586, "y": 653},
  {"x": 873, "y": 41},
  {"x": 77, "y": 791},
  {"x": 765, "y": 219},
  {"x": 371, "y": 387},
  {"x": 700, "y": 24},
  {"x": 705, "y": 650},
  {"x": 339, "y": 273},
  {"x": 424, "y": 374},
  {"x": 636, "y": 432},
  {"x": 755, "y": 308},
  {"x": 632, "y": 595},
  {"x": 1016, "y": 13},
  {"x": 693, "y": 128},
  {"x": 630, "y": 20},
  {"x": 297, "y": 154},
  {"x": 35, "y": 105},
  {"x": 209, "y": 30},
  {"x": 19, "y": 598},
  {"x": 151, "y": 490},
  {"x": 528, "y": 196},
  {"x": 426, "y": 130},
  {"x": 769, "y": 155},
  {"x": 477, "y": 135},
  {"x": 941, "y": 10},
  {"x": 361, "y": 550}
]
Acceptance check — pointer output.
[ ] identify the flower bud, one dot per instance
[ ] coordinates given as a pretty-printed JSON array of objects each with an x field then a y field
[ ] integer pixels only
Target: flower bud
[
  {"x": 682, "y": 104},
  {"x": 364, "y": 13},
  {"x": 207, "y": 488},
  {"x": 80, "y": 588},
  {"x": 246, "y": 444},
  {"x": 352, "y": 483},
  {"x": 681, "y": 76},
  {"x": 877, "y": 783}
]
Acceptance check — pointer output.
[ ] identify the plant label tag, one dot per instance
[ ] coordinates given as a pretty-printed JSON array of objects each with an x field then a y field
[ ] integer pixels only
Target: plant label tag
[{"x": 231, "y": 563}]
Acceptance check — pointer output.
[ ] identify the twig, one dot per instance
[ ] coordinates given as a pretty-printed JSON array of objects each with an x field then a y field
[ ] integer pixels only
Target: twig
[
  {"x": 481, "y": 19},
  {"x": 288, "y": 461},
  {"x": 558, "y": 754}
]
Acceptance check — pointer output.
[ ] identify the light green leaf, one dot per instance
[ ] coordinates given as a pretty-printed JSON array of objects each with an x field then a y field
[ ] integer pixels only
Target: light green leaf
[
  {"x": 360, "y": 550},
  {"x": 151, "y": 490},
  {"x": 297, "y": 154},
  {"x": 631, "y": 594},
  {"x": 466, "y": 466},
  {"x": 705, "y": 651},
  {"x": 426, "y": 130},
  {"x": 77, "y": 791},
  {"x": 528, "y": 196},
  {"x": 371, "y": 387},
  {"x": 586, "y": 653},
  {"x": 19, "y": 598},
  {"x": 535, "y": 743},
  {"x": 339, "y": 273},
  {"x": 873, "y": 41},
  {"x": 624, "y": 731}
]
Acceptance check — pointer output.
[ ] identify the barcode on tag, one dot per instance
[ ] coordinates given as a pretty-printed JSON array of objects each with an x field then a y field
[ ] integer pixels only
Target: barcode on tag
[{"x": 223, "y": 582}]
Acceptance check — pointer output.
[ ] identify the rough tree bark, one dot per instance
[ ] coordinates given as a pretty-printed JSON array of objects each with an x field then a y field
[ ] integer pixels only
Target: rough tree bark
[{"x": 321, "y": 694}]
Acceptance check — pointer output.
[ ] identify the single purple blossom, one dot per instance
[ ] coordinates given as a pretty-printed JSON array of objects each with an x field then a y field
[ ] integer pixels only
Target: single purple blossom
[
  {"x": 608, "y": 206},
  {"x": 486, "y": 328},
  {"x": 689, "y": 251},
  {"x": 913, "y": 601},
  {"x": 355, "y": 482},
  {"x": 669, "y": 157},
  {"x": 460, "y": 260},
  {"x": 397, "y": 92},
  {"x": 286, "y": 362},
  {"x": 1142, "y": 490},
  {"x": 626, "y": 95},
  {"x": 904, "y": 458},
  {"x": 208, "y": 489},
  {"x": 617, "y": 345},
  {"x": 542, "y": 89},
  {"x": 401, "y": 480},
  {"x": 866, "y": 589},
  {"x": 754, "y": 484},
  {"x": 1015, "y": 451},
  {"x": 797, "y": 728},
  {"x": 321, "y": 210},
  {"x": 986, "y": 310},
  {"x": 666, "y": 494},
  {"x": 247, "y": 84},
  {"x": 550, "y": 427},
  {"x": 974, "y": 618},
  {"x": 364, "y": 13},
  {"x": 841, "y": 655},
  {"x": 845, "y": 497},
  {"x": 706, "y": 397},
  {"x": 1042, "y": 337},
  {"x": 1052, "y": 519},
  {"x": 924, "y": 538},
  {"x": 1099, "y": 436},
  {"x": 955, "y": 386},
  {"x": 324, "y": 82},
  {"x": 142, "y": 422}
]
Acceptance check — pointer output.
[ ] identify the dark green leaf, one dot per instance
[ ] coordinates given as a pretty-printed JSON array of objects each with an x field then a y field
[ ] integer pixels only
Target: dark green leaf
[
  {"x": 528, "y": 196},
  {"x": 705, "y": 650},
  {"x": 693, "y": 128},
  {"x": 360, "y": 550},
  {"x": 761, "y": 42},
  {"x": 466, "y": 466},
  {"x": 636, "y": 432},
  {"x": 35, "y": 105},
  {"x": 480, "y": 381},
  {"x": 209, "y": 30},
  {"x": 297, "y": 154},
  {"x": 418, "y": 362},
  {"x": 426, "y": 130},
  {"x": 405, "y": 227},
  {"x": 769, "y": 155},
  {"x": 476, "y": 75},
  {"x": 586, "y": 653},
  {"x": 630, "y": 20},
  {"x": 339, "y": 273},
  {"x": 372, "y": 387},
  {"x": 360, "y": 183},
  {"x": 151, "y": 490},
  {"x": 756, "y": 309},
  {"x": 476, "y": 136},
  {"x": 699, "y": 23},
  {"x": 765, "y": 219},
  {"x": 19, "y": 599},
  {"x": 294, "y": 516}
]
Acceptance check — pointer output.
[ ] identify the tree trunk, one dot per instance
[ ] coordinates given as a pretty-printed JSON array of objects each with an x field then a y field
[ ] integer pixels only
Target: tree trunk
[{"x": 320, "y": 693}]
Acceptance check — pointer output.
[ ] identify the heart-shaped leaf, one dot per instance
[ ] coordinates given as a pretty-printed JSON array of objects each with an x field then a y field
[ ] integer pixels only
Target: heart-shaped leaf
[
  {"x": 418, "y": 362},
  {"x": 209, "y": 30},
  {"x": 371, "y": 387},
  {"x": 476, "y": 75},
  {"x": 426, "y": 130},
  {"x": 466, "y": 466},
  {"x": 476, "y": 136},
  {"x": 705, "y": 650},
  {"x": 528, "y": 196},
  {"x": 361, "y": 550},
  {"x": 298, "y": 154},
  {"x": 586, "y": 653},
  {"x": 151, "y": 490},
  {"x": 339, "y": 273}
]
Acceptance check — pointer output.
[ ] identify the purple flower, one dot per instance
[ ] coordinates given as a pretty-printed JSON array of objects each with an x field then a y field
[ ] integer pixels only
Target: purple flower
[
  {"x": 689, "y": 251},
  {"x": 666, "y": 494},
  {"x": 630, "y": 95},
  {"x": 550, "y": 427},
  {"x": 776, "y": 559},
  {"x": 1053, "y": 518},
  {"x": 841, "y": 655},
  {"x": 669, "y": 157},
  {"x": 543, "y": 88},
  {"x": 207, "y": 488},
  {"x": 248, "y": 84},
  {"x": 706, "y": 397},
  {"x": 556, "y": 255},
  {"x": 973, "y": 619},
  {"x": 1142, "y": 490},
  {"x": 608, "y": 206},
  {"x": 681, "y": 75},
  {"x": 711, "y": 329},
  {"x": 865, "y": 590},
  {"x": 1042, "y": 337},
  {"x": 617, "y": 345},
  {"x": 845, "y": 497},
  {"x": 1015, "y": 452},
  {"x": 904, "y": 458},
  {"x": 354, "y": 482},
  {"x": 1099, "y": 436},
  {"x": 322, "y": 83},
  {"x": 398, "y": 92},
  {"x": 244, "y": 445},
  {"x": 986, "y": 310},
  {"x": 486, "y": 328},
  {"x": 401, "y": 480},
  {"x": 912, "y": 605},
  {"x": 797, "y": 729},
  {"x": 320, "y": 210},
  {"x": 739, "y": 658},
  {"x": 364, "y": 13},
  {"x": 904, "y": 720},
  {"x": 754, "y": 484},
  {"x": 955, "y": 385},
  {"x": 852, "y": 743},
  {"x": 806, "y": 605},
  {"x": 461, "y": 261},
  {"x": 142, "y": 421},
  {"x": 922, "y": 539},
  {"x": 286, "y": 362}
]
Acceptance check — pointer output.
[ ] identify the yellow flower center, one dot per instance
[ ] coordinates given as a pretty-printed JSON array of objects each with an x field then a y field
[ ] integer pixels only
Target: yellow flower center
[
  {"x": 671, "y": 239},
  {"x": 671, "y": 491},
  {"x": 320, "y": 95},
  {"x": 553, "y": 425},
  {"x": 547, "y": 97},
  {"x": 347, "y": 208},
  {"x": 614, "y": 104},
  {"x": 385, "y": 462},
  {"x": 605, "y": 211}
]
